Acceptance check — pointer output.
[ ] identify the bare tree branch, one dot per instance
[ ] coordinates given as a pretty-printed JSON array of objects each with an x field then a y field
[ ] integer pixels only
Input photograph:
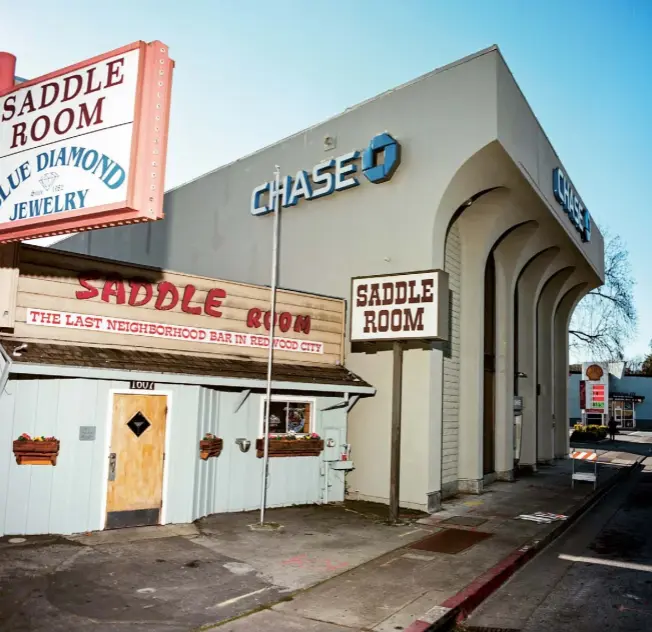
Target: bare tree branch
[{"x": 605, "y": 320}]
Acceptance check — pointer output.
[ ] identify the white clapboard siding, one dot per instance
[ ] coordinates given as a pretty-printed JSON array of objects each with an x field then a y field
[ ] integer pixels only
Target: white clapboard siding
[{"x": 451, "y": 391}]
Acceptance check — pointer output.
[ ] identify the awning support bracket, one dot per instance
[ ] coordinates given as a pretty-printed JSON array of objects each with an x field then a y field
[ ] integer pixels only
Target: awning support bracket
[
  {"x": 348, "y": 402},
  {"x": 242, "y": 398},
  {"x": 5, "y": 364}
]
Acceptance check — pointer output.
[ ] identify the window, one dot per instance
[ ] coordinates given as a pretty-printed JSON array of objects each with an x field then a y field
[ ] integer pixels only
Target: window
[{"x": 288, "y": 416}]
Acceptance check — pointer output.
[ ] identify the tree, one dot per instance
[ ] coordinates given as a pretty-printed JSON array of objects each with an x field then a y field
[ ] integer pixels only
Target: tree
[
  {"x": 605, "y": 319},
  {"x": 646, "y": 364}
]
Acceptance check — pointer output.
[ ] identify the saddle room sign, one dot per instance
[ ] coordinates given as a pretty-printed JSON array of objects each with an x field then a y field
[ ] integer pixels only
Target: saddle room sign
[
  {"x": 85, "y": 147},
  {"x": 81, "y": 300},
  {"x": 412, "y": 305}
]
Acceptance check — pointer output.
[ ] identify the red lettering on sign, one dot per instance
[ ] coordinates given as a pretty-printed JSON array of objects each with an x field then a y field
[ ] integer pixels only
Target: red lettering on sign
[
  {"x": 114, "y": 288},
  {"x": 90, "y": 291},
  {"x": 213, "y": 301},
  {"x": 253, "y": 318},
  {"x": 302, "y": 324},
  {"x": 135, "y": 287},
  {"x": 141, "y": 292},
  {"x": 188, "y": 293},
  {"x": 166, "y": 289},
  {"x": 284, "y": 320}
]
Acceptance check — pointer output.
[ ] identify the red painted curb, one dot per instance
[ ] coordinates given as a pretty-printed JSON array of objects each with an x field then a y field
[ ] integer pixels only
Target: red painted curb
[
  {"x": 478, "y": 590},
  {"x": 469, "y": 598},
  {"x": 418, "y": 626}
]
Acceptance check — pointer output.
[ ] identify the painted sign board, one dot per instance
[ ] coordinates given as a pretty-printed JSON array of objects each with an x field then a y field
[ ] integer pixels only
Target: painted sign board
[
  {"x": 85, "y": 146},
  {"x": 79, "y": 300},
  {"x": 410, "y": 305},
  {"x": 596, "y": 378}
]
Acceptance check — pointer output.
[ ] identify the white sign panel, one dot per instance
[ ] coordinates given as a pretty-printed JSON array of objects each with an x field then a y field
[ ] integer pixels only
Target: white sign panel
[
  {"x": 412, "y": 305},
  {"x": 123, "y": 326},
  {"x": 65, "y": 144},
  {"x": 84, "y": 146}
]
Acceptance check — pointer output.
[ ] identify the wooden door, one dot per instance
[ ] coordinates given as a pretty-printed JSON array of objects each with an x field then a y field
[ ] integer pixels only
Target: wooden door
[{"x": 137, "y": 453}]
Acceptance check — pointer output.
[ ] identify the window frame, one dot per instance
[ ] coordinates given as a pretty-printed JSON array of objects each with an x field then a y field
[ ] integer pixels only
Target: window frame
[{"x": 291, "y": 399}]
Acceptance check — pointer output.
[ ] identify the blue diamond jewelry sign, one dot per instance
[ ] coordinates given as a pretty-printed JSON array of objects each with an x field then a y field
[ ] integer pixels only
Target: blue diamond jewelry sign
[{"x": 377, "y": 163}]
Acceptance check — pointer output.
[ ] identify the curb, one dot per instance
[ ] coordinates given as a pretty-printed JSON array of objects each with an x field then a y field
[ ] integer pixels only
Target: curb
[{"x": 459, "y": 606}]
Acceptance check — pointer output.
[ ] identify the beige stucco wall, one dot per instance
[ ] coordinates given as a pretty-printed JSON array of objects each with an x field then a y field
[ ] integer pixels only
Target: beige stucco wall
[{"x": 463, "y": 129}]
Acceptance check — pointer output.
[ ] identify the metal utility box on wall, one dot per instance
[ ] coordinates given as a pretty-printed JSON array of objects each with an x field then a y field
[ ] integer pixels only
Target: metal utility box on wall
[{"x": 332, "y": 444}]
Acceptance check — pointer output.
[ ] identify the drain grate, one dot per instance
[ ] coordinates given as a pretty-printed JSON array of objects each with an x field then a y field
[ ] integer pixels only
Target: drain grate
[
  {"x": 450, "y": 541},
  {"x": 464, "y": 521}
]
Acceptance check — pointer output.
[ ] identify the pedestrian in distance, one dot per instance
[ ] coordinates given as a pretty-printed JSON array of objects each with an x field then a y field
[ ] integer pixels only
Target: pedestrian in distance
[{"x": 612, "y": 429}]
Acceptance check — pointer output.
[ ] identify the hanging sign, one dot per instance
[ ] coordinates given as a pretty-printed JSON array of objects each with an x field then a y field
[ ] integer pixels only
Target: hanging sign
[
  {"x": 85, "y": 147},
  {"x": 410, "y": 305}
]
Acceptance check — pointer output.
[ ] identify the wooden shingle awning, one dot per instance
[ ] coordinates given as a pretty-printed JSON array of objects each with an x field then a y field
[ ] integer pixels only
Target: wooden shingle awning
[{"x": 42, "y": 358}]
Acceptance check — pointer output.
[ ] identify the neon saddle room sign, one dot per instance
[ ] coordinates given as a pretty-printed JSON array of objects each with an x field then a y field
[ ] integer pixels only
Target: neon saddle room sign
[{"x": 377, "y": 162}]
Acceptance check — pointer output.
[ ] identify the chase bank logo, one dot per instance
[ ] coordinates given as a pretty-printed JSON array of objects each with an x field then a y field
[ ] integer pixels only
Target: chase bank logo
[
  {"x": 568, "y": 199},
  {"x": 377, "y": 162}
]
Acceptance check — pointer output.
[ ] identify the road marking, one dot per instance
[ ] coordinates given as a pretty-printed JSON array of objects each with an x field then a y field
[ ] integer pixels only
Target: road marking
[
  {"x": 228, "y": 602},
  {"x": 418, "y": 556},
  {"x": 402, "y": 535},
  {"x": 595, "y": 560}
]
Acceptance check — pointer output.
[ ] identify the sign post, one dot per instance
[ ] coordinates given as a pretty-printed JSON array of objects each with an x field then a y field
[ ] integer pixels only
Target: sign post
[
  {"x": 399, "y": 308},
  {"x": 395, "y": 463},
  {"x": 270, "y": 355}
]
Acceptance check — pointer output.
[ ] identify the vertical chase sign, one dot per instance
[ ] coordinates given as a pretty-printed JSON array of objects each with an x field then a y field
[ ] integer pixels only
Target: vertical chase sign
[
  {"x": 571, "y": 203},
  {"x": 85, "y": 147}
]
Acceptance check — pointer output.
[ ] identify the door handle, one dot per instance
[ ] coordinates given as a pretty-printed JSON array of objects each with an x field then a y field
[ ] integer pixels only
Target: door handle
[{"x": 112, "y": 462}]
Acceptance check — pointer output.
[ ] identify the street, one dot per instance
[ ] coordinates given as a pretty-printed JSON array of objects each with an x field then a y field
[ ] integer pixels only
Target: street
[{"x": 597, "y": 576}]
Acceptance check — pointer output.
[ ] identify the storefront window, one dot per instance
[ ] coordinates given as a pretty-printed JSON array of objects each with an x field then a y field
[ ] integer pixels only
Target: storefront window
[{"x": 288, "y": 416}]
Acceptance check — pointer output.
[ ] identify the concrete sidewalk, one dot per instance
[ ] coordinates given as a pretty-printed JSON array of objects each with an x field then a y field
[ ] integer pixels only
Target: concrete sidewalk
[
  {"x": 328, "y": 568},
  {"x": 409, "y": 588}
]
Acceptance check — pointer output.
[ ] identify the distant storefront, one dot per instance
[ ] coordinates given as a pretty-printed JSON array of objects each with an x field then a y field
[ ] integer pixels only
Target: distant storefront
[{"x": 627, "y": 399}]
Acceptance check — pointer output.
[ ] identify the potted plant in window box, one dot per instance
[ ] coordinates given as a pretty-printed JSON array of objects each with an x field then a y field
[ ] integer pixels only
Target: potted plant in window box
[
  {"x": 37, "y": 451},
  {"x": 291, "y": 445},
  {"x": 209, "y": 446}
]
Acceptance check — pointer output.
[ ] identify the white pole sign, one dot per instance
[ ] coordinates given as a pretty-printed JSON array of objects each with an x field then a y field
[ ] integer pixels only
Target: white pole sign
[
  {"x": 44, "y": 172},
  {"x": 84, "y": 147},
  {"x": 411, "y": 305}
]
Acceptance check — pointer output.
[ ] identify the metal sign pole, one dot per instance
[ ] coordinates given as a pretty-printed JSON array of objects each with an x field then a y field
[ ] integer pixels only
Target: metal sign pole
[
  {"x": 395, "y": 449},
  {"x": 270, "y": 355}
]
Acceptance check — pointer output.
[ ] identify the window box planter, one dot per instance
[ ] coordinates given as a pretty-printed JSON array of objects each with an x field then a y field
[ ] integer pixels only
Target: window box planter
[
  {"x": 210, "y": 446},
  {"x": 286, "y": 446},
  {"x": 39, "y": 451}
]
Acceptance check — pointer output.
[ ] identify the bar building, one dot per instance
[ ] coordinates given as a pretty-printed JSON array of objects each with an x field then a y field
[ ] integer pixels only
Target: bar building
[
  {"x": 451, "y": 171},
  {"x": 148, "y": 388}
]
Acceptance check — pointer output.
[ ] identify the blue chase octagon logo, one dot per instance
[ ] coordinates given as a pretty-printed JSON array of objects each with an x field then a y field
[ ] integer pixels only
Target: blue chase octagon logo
[
  {"x": 386, "y": 147},
  {"x": 378, "y": 162}
]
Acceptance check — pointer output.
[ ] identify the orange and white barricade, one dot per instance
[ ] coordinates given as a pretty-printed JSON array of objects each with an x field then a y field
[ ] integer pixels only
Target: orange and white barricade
[{"x": 584, "y": 456}]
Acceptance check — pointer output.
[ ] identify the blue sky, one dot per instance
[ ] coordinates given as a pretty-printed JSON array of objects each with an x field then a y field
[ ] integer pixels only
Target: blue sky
[{"x": 250, "y": 72}]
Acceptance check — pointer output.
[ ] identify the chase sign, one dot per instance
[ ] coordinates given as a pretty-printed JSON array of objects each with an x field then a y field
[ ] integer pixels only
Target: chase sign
[
  {"x": 570, "y": 202},
  {"x": 377, "y": 162}
]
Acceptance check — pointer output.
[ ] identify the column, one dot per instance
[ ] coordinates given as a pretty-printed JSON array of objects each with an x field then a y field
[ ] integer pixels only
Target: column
[
  {"x": 545, "y": 356},
  {"x": 528, "y": 293}
]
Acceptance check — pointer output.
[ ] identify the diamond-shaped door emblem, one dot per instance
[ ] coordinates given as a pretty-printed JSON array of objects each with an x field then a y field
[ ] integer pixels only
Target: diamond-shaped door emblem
[{"x": 138, "y": 424}]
